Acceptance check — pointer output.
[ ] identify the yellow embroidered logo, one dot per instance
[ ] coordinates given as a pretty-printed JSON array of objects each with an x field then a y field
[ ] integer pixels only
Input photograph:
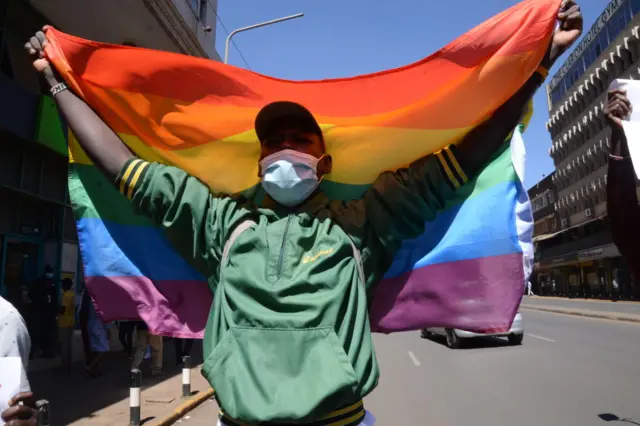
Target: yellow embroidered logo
[{"x": 309, "y": 259}]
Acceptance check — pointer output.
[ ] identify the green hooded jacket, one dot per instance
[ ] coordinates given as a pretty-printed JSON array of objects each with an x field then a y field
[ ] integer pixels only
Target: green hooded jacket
[{"x": 288, "y": 337}]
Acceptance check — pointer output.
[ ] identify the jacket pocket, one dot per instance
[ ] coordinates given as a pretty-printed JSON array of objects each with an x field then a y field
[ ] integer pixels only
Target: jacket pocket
[{"x": 265, "y": 375}]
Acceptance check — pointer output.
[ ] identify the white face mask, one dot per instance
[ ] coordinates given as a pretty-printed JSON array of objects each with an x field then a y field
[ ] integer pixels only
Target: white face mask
[{"x": 289, "y": 176}]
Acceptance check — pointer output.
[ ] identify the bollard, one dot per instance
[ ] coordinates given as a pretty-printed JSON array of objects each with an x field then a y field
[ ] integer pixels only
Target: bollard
[
  {"x": 134, "y": 397},
  {"x": 186, "y": 376},
  {"x": 43, "y": 416}
]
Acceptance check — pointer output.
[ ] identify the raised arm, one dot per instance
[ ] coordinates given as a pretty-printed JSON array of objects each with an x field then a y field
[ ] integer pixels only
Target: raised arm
[
  {"x": 102, "y": 145},
  {"x": 194, "y": 221},
  {"x": 398, "y": 204},
  {"x": 622, "y": 198},
  {"x": 484, "y": 140}
]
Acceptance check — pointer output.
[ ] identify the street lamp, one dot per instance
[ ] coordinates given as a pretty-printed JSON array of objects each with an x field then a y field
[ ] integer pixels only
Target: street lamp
[{"x": 250, "y": 27}]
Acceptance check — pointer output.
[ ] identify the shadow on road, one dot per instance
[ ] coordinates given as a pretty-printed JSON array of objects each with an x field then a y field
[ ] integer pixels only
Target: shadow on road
[
  {"x": 608, "y": 417},
  {"x": 75, "y": 395},
  {"x": 475, "y": 343}
]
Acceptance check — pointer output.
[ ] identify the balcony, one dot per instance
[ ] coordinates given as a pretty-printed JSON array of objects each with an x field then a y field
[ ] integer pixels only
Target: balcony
[
  {"x": 169, "y": 25},
  {"x": 583, "y": 182},
  {"x": 596, "y": 240}
]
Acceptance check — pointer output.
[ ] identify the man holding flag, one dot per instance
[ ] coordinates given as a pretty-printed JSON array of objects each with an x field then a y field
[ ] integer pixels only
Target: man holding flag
[{"x": 288, "y": 337}]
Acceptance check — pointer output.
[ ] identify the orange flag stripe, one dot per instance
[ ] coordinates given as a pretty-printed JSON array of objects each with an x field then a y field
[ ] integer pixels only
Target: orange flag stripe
[
  {"x": 212, "y": 82},
  {"x": 170, "y": 124}
]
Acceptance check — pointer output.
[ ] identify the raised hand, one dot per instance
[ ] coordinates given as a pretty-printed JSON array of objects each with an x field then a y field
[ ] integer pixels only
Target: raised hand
[
  {"x": 618, "y": 107},
  {"x": 35, "y": 46},
  {"x": 571, "y": 25}
]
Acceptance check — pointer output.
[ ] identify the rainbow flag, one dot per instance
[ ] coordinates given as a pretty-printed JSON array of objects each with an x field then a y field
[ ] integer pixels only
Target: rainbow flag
[{"x": 468, "y": 269}]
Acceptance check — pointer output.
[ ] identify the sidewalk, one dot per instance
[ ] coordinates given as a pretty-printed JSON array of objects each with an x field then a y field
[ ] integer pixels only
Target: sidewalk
[
  {"x": 77, "y": 399},
  {"x": 204, "y": 415},
  {"x": 602, "y": 309}
]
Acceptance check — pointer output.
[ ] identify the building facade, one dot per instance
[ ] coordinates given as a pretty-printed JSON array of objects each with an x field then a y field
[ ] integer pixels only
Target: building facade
[
  {"x": 543, "y": 196},
  {"x": 580, "y": 259},
  {"x": 37, "y": 227}
]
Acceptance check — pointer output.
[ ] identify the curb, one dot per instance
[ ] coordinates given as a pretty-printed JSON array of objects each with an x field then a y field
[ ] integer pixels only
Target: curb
[
  {"x": 582, "y": 299},
  {"x": 185, "y": 407},
  {"x": 611, "y": 317}
]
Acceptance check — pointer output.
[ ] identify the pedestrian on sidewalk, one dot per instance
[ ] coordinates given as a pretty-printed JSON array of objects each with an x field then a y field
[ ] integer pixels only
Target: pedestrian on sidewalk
[
  {"x": 529, "y": 290},
  {"x": 66, "y": 323},
  {"x": 44, "y": 296},
  {"x": 125, "y": 335},
  {"x": 622, "y": 198},
  {"x": 83, "y": 319},
  {"x": 183, "y": 348},
  {"x": 144, "y": 339},
  {"x": 288, "y": 339},
  {"x": 98, "y": 337}
]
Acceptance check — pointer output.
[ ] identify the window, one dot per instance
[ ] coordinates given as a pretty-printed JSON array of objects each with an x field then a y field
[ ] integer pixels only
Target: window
[
  {"x": 5, "y": 66},
  {"x": 618, "y": 22},
  {"x": 20, "y": 22},
  {"x": 589, "y": 56},
  {"x": 203, "y": 12},
  {"x": 627, "y": 58},
  {"x": 555, "y": 94},
  {"x": 199, "y": 8},
  {"x": 603, "y": 41},
  {"x": 5, "y": 63}
]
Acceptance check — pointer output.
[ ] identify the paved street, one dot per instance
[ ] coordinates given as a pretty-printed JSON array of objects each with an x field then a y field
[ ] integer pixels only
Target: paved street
[{"x": 569, "y": 371}]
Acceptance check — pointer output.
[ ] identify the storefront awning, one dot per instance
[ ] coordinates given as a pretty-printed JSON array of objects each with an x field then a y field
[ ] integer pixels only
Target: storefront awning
[{"x": 543, "y": 237}]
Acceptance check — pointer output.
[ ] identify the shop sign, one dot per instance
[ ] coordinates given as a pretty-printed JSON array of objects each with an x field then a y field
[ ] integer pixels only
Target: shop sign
[
  {"x": 29, "y": 230},
  {"x": 591, "y": 254}
]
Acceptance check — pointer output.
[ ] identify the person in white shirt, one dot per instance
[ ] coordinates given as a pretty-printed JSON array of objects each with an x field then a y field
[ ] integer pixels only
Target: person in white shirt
[
  {"x": 14, "y": 338},
  {"x": 15, "y": 342}
]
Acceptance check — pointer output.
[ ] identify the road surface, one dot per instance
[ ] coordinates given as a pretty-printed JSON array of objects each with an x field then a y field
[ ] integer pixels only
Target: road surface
[{"x": 569, "y": 371}]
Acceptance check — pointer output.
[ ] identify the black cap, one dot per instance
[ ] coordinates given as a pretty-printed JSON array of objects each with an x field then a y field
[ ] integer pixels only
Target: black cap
[{"x": 276, "y": 111}]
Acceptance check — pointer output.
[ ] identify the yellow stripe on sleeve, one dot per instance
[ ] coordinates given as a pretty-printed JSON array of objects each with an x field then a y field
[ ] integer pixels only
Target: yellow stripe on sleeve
[
  {"x": 447, "y": 169},
  {"x": 135, "y": 178},
  {"x": 343, "y": 410},
  {"x": 456, "y": 165},
  {"x": 126, "y": 174},
  {"x": 349, "y": 420}
]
